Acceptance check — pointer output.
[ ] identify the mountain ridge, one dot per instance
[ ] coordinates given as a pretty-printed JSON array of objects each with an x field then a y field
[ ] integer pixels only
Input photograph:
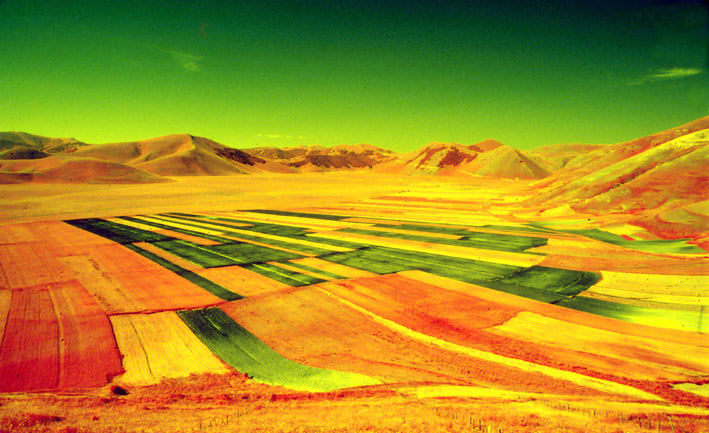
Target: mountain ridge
[{"x": 662, "y": 169}]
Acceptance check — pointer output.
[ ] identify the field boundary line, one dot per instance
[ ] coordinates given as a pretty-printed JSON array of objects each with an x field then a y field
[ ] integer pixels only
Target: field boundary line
[{"x": 579, "y": 379}]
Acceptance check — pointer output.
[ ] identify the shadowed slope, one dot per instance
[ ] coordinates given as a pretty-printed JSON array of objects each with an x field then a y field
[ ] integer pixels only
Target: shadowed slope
[
  {"x": 177, "y": 155},
  {"x": 70, "y": 169},
  {"x": 316, "y": 158}
]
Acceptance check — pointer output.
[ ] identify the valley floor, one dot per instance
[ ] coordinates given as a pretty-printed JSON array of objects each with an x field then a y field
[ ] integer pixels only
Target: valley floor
[{"x": 342, "y": 301}]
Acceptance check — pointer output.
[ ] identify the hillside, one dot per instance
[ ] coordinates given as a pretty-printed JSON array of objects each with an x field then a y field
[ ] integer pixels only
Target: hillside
[
  {"x": 42, "y": 159},
  {"x": 177, "y": 155},
  {"x": 488, "y": 158},
  {"x": 643, "y": 173},
  {"x": 12, "y": 139},
  {"x": 647, "y": 172},
  {"x": 61, "y": 168},
  {"x": 318, "y": 158}
]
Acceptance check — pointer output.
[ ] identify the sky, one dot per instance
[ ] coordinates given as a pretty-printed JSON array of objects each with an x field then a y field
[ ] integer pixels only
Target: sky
[{"x": 396, "y": 74}]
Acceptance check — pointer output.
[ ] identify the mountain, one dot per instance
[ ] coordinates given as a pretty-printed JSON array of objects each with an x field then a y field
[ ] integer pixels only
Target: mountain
[
  {"x": 318, "y": 158},
  {"x": 556, "y": 156},
  {"x": 178, "y": 155},
  {"x": 507, "y": 162},
  {"x": 71, "y": 169},
  {"x": 487, "y": 158},
  {"x": 659, "y": 171},
  {"x": 27, "y": 157},
  {"x": 632, "y": 171},
  {"x": 8, "y": 140}
]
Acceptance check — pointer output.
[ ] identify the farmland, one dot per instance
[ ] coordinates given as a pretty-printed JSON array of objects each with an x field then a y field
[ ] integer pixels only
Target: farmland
[{"x": 399, "y": 308}]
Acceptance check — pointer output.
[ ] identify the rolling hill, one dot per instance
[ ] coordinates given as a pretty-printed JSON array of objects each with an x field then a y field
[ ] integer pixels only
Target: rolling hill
[{"x": 661, "y": 171}]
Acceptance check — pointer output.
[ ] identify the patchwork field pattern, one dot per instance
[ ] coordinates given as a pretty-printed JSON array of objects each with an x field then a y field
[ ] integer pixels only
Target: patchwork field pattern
[{"x": 385, "y": 292}]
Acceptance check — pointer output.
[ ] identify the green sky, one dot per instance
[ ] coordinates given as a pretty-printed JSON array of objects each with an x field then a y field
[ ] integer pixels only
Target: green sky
[{"x": 394, "y": 74}]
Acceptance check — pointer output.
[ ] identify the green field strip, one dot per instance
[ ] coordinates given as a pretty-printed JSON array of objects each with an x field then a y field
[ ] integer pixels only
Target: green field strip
[
  {"x": 307, "y": 249},
  {"x": 316, "y": 271},
  {"x": 243, "y": 351},
  {"x": 120, "y": 233},
  {"x": 234, "y": 253},
  {"x": 541, "y": 283},
  {"x": 299, "y": 214},
  {"x": 488, "y": 241},
  {"x": 296, "y": 233},
  {"x": 523, "y": 229},
  {"x": 250, "y": 253},
  {"x": 285, "y": 276},
  {"x": 261, "y": 227},
  {"x": 690, "y": 321},
  {"x": 658, "y": 246},
  {"x": 384, "y": 260},
  {"x": 565, "y": 281},
  {"x": 177, "y": 229},
  {"x": 202, "y": 282}
]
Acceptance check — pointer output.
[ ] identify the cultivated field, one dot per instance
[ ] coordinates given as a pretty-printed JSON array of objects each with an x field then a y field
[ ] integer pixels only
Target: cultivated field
[{"x": 342, "y": 301}]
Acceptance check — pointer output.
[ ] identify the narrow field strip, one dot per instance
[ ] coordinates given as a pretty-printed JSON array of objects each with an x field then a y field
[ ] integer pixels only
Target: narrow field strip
[
  {"x": 213, "y": 217},
  {"x": 242, "y": 350},
  {"x": 689, "y": 321},
  {"x": 420, "y": 214},
  {"x": 318, "y": 223},
  {"x": 317, "y": 271},
  {"x": 29, "y": 356},
  {"x": 586, "y": 381},
  {"x": 437, "y": 391},
  {"x": 676, "y": 358},
  {"x": 589, "y": 254},
  {"x": 270, "y": 244},
  {"x": 291, "y": 240},
  {"x": 659, "y": 246},
  {"x": 537, "y": 282},
  {"x": 243, "y": 281},
  {"x": 503, "y": 257},
  {"x": 133, "y": 224},
  {"x": 561, "y": 313},
  {"x": 286, "y": 276},
  {"x": 246, "y": 222},
  {"x": 194, "y": 278},
  {"x": 172, "y": 258},
  {"x": 175, "y": 224},
  {"x": 285, "y": 243},
  {"x": 116, "y": 232},
  {"x": 653, "y": 285},
  {"x": 306, "y": 271},
  {"x": 259, "y": 224},
  {"x": 630, "y": 295},
  {"x": 159, "y": 346},
  {"x": 335, "y": 268},
  {"x": 310, "y": 215},
  {"x": 89, "y": 357},
  {"x": 161, "y": 225},
  {"x": 486, "y": 241},
  {"x": 185, "y": 237}
]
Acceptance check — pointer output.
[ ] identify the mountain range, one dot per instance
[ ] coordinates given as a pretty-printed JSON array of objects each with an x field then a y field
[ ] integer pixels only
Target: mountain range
[{"x": 665, "y": 169}]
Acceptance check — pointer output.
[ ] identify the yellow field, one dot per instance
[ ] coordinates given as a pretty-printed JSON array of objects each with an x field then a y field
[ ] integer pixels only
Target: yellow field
[{"x": 158, "y": 346}]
